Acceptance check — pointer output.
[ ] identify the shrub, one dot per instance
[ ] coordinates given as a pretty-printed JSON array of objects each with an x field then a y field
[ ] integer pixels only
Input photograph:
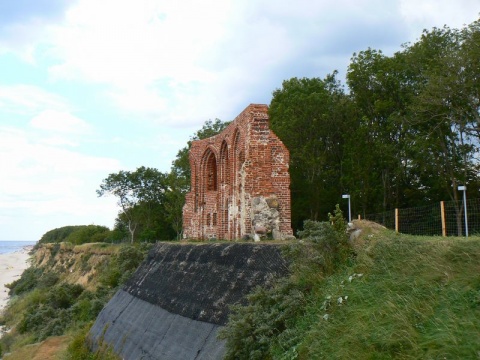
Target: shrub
[
  {"x": 121, "y": 266},
  {"x": 252, "y": 329},
  {"x": 266, "y": 326},
  {"x": 48, "y": 279},
  {"x": 57, "y": 235},
  {"x": 27, "y": 281},
  {"x": 63, "y": 296},
  {"x": 50, "y": 315}
]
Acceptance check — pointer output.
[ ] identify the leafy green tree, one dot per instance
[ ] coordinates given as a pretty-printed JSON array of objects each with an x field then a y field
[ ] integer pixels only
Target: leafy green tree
[
  {"x": 381, "y": 88},
  {"x": 418, "y": 111},
  {"x": 151, "y": 202},
  {"x": 174, "y": 201},
  {"x": 140, "y": 195},
  {"x": 312, "y": 118},
  {"x": 444, "y": 114}
]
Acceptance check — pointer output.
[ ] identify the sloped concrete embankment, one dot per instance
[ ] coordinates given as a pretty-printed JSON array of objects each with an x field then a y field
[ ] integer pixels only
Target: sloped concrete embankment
[{"x": 179, "y": 298}]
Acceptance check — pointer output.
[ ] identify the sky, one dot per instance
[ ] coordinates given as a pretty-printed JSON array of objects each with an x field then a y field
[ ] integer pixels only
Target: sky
[{"x": 92, "y": 87}]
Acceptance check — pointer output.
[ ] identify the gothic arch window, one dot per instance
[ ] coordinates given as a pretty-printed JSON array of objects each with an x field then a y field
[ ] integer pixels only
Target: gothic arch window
[
  {"x": 236, "y": 139},
  {"x": 210, "y": 171},
  {"x": 224, "y": 164},
  {"x": 237, "y": 151},
  {"x": 195, "y": 190}
]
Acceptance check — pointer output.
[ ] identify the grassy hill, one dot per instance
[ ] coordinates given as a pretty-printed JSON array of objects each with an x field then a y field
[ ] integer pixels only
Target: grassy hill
[
  {"x": 380, "y": 296},
  {"x": 395, "y": 297}
]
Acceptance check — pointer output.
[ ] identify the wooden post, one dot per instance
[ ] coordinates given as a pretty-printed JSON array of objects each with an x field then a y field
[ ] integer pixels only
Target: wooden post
[
  {"x": 442, "y": 212},
  {"x": 396, "y": 220},
  {"x": 359, "y": 217}
]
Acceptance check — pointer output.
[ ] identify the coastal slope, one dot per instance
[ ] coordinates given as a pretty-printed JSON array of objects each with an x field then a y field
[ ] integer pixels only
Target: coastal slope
[{"x": 178, "y": 299}]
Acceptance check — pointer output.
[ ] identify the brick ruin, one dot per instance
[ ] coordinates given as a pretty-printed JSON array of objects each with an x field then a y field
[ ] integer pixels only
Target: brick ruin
[{"x": 240, "y": 185}]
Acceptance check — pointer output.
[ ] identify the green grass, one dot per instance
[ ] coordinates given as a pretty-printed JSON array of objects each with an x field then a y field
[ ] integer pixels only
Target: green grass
[
  {"x": 419, "y": 297},
  {"x": 402, "y": 297}
]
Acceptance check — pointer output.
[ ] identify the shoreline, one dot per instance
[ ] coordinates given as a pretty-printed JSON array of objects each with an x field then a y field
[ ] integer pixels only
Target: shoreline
[{"x": 12, "y": 266}]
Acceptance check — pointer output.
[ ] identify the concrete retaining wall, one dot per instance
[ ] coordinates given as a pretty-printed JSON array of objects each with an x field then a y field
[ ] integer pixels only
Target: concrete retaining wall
[{"x": 178, "y": 299}]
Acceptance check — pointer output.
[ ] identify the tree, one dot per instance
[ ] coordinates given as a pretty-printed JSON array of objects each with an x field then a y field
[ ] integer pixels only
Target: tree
[
  {"x": 151, "y": 202},
  {"x": 378, "y": 165},
  {"x": 179, "y": 176},
  {"x": 407, "y": 132},
  {"x": 312, "y": 117},
  {"x": 174, "y": 201},
  {"x": 181, "y": 164},
  {"x": 444, "y": 115},
  {"x": 141, "y": 195}
]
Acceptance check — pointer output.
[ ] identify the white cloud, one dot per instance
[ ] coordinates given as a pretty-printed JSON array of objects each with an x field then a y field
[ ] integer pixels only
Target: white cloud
[
  {"x": 184, "y": 62},
  {"x": 133, "y": 43},
  {"x": 40, "y": 180},
  {"x": 150, "y": 53},
  {"x": 60, "y": 121},
  {"x": 29, "y": 99}
]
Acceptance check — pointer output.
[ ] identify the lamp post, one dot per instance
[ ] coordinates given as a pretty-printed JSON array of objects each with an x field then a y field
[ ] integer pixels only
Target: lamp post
[
  {"x": 349, "y": 211},
  {"x": 464, "y": 189}
]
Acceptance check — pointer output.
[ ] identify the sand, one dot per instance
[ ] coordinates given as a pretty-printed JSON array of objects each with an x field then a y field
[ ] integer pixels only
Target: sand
[{"x": 12, "y": 266}]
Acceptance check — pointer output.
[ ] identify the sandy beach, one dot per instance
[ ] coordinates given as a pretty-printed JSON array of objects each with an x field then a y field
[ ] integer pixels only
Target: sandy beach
[{"x": 11, "y": 267}]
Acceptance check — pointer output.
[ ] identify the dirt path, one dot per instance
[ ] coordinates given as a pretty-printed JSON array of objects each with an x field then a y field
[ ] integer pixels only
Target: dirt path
[{"x": 50, "y": 349}]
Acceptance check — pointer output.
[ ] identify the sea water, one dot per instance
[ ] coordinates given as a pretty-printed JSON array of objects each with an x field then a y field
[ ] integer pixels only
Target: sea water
[{"x": 8, "y": 246}]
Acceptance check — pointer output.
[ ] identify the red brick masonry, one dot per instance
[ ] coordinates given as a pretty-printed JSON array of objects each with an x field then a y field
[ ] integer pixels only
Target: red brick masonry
[{"x": 240, "y": 182}]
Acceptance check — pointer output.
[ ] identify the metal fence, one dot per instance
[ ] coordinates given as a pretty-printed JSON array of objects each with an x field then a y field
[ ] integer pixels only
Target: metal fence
[{"x": 446, "y": 218}]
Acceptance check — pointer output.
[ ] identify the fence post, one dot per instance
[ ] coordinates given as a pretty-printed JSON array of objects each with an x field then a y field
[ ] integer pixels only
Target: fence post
[
  {"x": 396, "y": 220},
  {"x": 442, "y": 212}
]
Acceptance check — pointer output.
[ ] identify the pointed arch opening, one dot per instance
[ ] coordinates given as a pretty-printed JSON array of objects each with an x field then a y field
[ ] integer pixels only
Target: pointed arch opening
[
  {"x": 224, "y": 164},
  {"x": 210, "y": 171}
]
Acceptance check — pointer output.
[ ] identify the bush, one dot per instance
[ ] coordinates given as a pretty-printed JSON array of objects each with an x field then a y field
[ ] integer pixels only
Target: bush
[
  {"x": 121, "y": 266},
  {"x": 57, "y": 235},
  {"x": 51, "y": 315},
  {"x": 78, "y": 234},
  {"x": 88, "y": 234},
  {"x": 266, "y": 327},
  {"x": 47, "y": 280},
  {"x": 252, "y": 329},
  {"x": 27, "y": 281},
  {"x": 63, "y": 296}
]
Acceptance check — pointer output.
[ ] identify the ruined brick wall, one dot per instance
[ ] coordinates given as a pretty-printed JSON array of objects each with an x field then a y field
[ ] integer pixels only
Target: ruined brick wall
[{"x": 240, "y": 182}]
